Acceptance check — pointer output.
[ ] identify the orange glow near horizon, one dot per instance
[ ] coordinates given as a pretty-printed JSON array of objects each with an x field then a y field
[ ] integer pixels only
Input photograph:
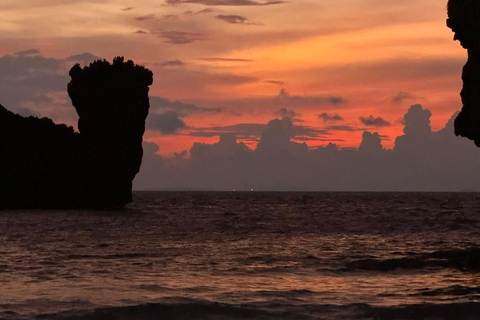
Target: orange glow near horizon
[{"x": 377, "y": 60}]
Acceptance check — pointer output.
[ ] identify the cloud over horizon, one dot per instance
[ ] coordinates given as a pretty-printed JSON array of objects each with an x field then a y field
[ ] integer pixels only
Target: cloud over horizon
[
  {"x": 182, "y": 108},
  {"x": 225, "y": 76},
  {"x": 172, "y": 63},
  {"x": 168, "y": 122},
  {"x": 254, "y": 131},
  {"x": 181, "y": 37},
  {"x": 225, "y": 2},
  {"x": 285, "y": 97},
  {"x": 235, "y": 19},
  {"x": 372, "y": 121},
  {"x": 422, "y": 160},
  {"x": 333, "y": 117},
  {"x": 402, "y": 96},
  {"x": 32, "y": 84},
  {"x": 284, "y": 112}
]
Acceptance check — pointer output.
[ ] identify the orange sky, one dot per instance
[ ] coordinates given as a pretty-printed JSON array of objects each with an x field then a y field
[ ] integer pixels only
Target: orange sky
[{"x": 252, "y": 62}]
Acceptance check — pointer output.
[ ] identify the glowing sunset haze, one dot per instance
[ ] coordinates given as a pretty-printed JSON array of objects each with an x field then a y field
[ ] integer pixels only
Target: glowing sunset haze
[{"x": 336, "y": 68}]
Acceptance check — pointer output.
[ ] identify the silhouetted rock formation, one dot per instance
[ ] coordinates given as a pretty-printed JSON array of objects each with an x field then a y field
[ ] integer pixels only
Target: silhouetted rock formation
[
  {"x": 464, "y": 20},
  {"x": 112, "y": 102},
  {"x": 39, "y": 163},
  {"x": 46, "y": 165}
]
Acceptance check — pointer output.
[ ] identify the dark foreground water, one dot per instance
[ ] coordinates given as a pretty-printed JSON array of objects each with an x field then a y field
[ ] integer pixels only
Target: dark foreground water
[{"x": 231, "y": 255}]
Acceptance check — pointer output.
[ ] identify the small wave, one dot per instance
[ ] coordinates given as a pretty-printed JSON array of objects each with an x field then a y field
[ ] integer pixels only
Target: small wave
[
  {"x": 29, "y": 308},
  {"x": 7, "y": 315},
  {"x": 157, "y": 288},
  {"x": 184, "y": 308},
  {"x": 460, "y": 259},
  {"x": 288, "y": 293},
  {"x": 455, "y": 290},
  {"x": 192, "y": 310},
  {"x": 110, "y": 256},
  {"x": 386, "y": 265},
  {"x": 452, "y": 311}
]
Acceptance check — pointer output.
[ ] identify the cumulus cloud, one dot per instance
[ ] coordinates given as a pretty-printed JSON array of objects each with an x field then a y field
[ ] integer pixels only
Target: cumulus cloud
[
  {"x": 226, "y": 147},
  {"x": 172, "y": 63},
  {"x": 253, "y": 131},
  {"x": 180, "y": 37},
  {"x": 341, "y": 128},
  {"x": 231, "y": 164},
  {"x": 284, "y": 112},
  {"x": 285, "y": 97},
  {"x": 402, "y": 96},
  {"x": 330, "y": 117},
  {"x": 235, "y": 19},
  {"x": 276, "y": 138},
  {"x": 372, "y": 121},
  {"x": 167, "y": 123},
  {"x": 417, "y": 130},
  {"x": 29, "y": 52},
  {"x": 234, "y": 79},
  {"x": 371, "y": 143},
  {"x": 216, "y": 59},
  {"x": 146, "y": 17},
  {"x": 275, "y": 82},
  {"x": 245, "y": 131},
  {"x": 306, "y": 131},
  {"x": 159, "y": 104},
  {"x": 208, "y": 10},
  {"x": 225, "y": 2},
  {"x": 28, "y": 63},
  {"x": 417, "y": 121},
  {"x": 422, "y": 160},
  {"x": 33, "y": 84},
  {"x": 30, "y": 81}
]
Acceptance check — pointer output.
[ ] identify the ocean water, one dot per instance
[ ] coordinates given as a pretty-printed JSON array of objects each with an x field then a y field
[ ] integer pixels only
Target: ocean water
[{"x": 246, "y": 255}]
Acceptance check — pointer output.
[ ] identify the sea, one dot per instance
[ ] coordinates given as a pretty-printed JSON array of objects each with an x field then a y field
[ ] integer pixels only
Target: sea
[{"x": 246, "y": 255}]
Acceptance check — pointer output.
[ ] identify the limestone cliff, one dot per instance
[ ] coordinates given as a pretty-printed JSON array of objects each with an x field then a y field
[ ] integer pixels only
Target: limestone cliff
[
  {"x": 464, "y": 20},
  {"x": 44, "y": 165}
]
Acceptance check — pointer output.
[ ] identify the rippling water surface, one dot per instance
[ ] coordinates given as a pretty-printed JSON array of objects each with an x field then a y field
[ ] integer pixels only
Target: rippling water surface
[{"x": 233, "y": 255}]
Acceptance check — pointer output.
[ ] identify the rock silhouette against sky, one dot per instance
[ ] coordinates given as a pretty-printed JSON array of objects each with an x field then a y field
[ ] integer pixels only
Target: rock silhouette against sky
[
  {"x": 47, "y": 165},
  {"x": 464, "y": 20}
]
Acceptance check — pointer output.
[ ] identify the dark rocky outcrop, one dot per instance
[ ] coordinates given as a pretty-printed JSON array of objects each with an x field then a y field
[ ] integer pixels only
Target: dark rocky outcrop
[
  {"x": 464, "y": 20},
  {"x": 44, "y": 165}
]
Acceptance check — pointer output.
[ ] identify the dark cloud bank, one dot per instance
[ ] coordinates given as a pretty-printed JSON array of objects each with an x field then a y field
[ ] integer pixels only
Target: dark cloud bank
[
  {"x": 26, "y": 76},
  {"x": 422, "y": 160},
  {"x": 224, "y": 2},
  {"x": 372, "y": 121},
  {"x": 29, "y": 82}
]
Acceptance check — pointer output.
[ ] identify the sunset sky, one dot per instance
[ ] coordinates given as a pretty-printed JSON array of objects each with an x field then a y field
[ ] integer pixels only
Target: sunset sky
[{"x": 337, "y": 68}]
